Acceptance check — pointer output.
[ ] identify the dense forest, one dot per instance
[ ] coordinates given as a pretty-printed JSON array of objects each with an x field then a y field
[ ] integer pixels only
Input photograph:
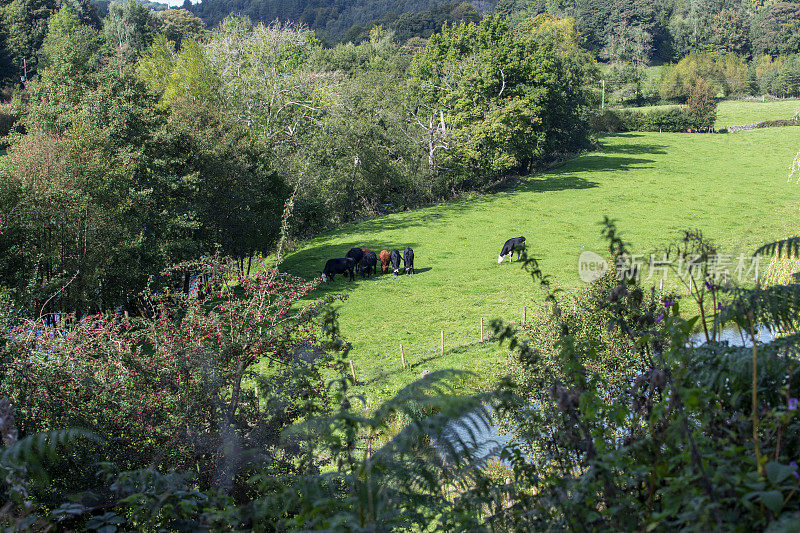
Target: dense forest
[
  {"x": 332, "y": 20},
  {"x": 160, "y": 372}
]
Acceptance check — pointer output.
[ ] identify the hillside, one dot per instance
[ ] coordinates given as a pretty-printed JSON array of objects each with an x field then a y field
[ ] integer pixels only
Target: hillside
[
  {"x": 329, "y": 18},
  {"x": 732, "y": 187}
]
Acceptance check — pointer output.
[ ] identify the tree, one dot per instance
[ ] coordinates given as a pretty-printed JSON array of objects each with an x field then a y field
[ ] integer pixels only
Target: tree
[
  {"x": 702, "y": 104},
  {"x": 178, "y": 25},
  {"x": 129, "y": 27},
  {"x": 508, "y": 99},
  {"x": 170, "y": 390}
]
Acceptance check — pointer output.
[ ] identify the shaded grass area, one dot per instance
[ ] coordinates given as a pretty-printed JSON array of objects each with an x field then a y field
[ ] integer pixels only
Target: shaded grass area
[{"x": 733, "y": 187}]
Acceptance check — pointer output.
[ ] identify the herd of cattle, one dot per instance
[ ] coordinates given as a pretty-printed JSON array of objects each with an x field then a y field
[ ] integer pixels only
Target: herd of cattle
[{"x": 365, "y": 261}]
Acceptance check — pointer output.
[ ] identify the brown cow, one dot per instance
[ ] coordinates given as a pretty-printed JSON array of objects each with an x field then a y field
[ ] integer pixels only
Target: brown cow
[{"x": 384, "y": 261}]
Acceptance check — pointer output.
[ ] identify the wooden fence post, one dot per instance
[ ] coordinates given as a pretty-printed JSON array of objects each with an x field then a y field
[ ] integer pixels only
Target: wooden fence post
[
  {"x": 524, "y": 313},
  {"x": 402, "y": 356},
  {"x": 481, "y": 329},
  {"x": 353, "y": 370},
  {"x": 442, "y": 343}
]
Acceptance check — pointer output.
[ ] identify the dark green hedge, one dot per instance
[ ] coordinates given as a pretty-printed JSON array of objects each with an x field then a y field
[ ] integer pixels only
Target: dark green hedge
[{"x": 672, "y": 120}]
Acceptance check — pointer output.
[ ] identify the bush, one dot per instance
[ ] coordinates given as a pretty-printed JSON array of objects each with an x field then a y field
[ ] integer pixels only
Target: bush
[
  {"x": 702, "y": 105},
  {"x": 677, "y": 120},
  {"x": 727, "y": 74},
  {"x": 7, "y": 120}
]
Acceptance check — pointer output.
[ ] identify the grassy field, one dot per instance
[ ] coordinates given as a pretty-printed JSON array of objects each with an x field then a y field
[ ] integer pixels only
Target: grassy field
[
  {"x": 733, "y": 187},
  {"x": 738, "y": 112}
]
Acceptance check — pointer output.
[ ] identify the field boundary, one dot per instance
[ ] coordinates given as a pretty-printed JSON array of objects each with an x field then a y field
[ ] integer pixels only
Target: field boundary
[{"x": 411, "y": 357}]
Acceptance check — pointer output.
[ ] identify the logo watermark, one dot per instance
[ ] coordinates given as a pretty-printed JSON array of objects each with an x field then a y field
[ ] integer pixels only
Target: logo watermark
[
  {"x": 591, "y": 266},
  {"x": 718, "y": 267}
]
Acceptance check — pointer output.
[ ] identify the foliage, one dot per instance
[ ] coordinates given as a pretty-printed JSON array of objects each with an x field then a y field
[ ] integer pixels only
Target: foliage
[
  {"x": 702, "y": 105},
  {"x": 330, "y": 20},
  {"x": 489, "y": 98},
  {"x": 678, "y": 120},
  {"x": 665, "y": 436},
  {"x": 726, "y": 73},
  {"x": 175, "y": 389},
  {"x": 129, "y": 27},
  {"x": 178, "y": 25},
  {"x": 411, "y": 24}
]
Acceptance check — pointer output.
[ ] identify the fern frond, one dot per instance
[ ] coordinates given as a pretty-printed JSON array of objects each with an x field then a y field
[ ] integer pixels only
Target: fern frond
[
  {"x": 776, "y": 307},
  {"x": 32, "y": 450},
  {"x": 790, "y": 247},
  {"x": 428, "y": 392}
]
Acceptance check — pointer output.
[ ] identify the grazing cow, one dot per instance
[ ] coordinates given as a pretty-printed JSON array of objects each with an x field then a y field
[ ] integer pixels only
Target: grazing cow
[
  {"x": 517, "y": 244},
  {"x": 408, "y": 260},
  {"x": 338, "y": 266},
  {"x": 384, "y": 261},
  {"x": 356, "y": 254},
  {"x": 361, "y": 263},
  {"x": 394, "y": 257},
  {"x": 368, "y": 264}
]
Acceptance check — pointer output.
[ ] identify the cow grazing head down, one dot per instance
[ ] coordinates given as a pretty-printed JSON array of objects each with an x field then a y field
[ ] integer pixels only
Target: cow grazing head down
[
  {"x": 384, "y": 261},
  {"x": 394, "y": 256},
  {"x": 515, "y": 244},
  {"x": 342, "y": 266},
  {"x": 408, "y": 260}
]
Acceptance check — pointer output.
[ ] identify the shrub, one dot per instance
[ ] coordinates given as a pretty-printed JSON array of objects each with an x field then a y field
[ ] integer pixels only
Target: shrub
[
  {"x": 702, "y": 105},
  {"x": 676, "y": 120},
  {"x": 8, "y": 117}
]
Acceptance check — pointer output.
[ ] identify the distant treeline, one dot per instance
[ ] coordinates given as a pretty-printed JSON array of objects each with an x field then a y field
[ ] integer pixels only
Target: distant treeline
[
  {"x": 342, "y": 20},
  {"x": 615, "y": 30},
  {"x": 668, "y": 30}
]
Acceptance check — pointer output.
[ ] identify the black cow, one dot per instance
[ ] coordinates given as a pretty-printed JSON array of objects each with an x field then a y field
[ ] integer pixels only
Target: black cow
[
  {"x": 394, "y": 257},
  {"x": 338, "y": 266},
  {"x": 368, "y": 264},
  {"x": 356, "y": 254},
  {"x": 408, "y": 260},
  {"x": 517, "y": 244}
]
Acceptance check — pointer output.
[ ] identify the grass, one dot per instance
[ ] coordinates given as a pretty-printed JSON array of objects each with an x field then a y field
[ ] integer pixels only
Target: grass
[
  {"x": 733, "y": 187},
  {"x": 739, "y": 112}
]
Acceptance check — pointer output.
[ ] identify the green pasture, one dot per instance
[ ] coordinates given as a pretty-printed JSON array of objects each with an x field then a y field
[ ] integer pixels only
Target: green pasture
[
  {"x": 738, "y": 112},
  {"x": 732, "y": 187}
]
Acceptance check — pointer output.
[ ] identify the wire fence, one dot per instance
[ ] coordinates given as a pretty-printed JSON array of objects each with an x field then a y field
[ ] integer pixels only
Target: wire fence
[{"x": 412, "y": 356}]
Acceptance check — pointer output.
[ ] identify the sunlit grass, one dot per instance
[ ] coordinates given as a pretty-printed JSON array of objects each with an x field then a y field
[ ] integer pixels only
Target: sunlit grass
[
  {"x": 733, "y": 187},
  {"x": 739, "y": 112}
]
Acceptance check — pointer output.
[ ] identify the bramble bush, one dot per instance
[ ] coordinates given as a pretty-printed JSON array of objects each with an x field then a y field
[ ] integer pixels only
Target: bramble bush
[{"x": 177, "y": 388}]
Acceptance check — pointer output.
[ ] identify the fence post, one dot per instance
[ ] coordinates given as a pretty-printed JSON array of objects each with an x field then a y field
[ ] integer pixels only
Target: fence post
[
  {"x": 661, "y": 285},
  {"x": 442, "y": 343},
  {"x": 353, "y": 370},
  {"x": 481, "y": 329},
  {"x": 524, "y": 313},
  {"x": 402, "y": 356}
]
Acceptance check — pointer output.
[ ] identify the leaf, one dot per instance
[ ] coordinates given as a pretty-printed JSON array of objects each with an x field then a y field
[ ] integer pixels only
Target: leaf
[
  {"x": 772, "y": 499},
  {"x": 789, "y": 247},
  {"x": 777, "y": 472}
]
